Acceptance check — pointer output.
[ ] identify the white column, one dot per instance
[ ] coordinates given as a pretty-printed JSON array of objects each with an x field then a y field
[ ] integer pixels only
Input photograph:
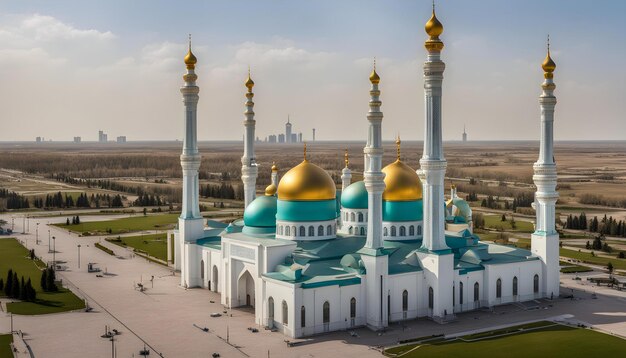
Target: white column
[
  {"x": 249, "y": 168},
  {"x": 346, "y": 174}
]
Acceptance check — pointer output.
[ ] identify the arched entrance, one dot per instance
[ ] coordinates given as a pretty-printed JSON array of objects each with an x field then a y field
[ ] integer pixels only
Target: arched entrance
[{"x": 245, "y": 290}]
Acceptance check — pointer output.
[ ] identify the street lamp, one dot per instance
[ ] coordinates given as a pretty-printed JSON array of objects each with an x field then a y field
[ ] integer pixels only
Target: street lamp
[
  {"x": 23, "y": 224},
  {"x": 48, "y": 240},
  {"x": 78, "y": 255},
  {"x": 37, "y": 234},
  {"x": 28, "y": 224},
  {"x": 54, "y": 253}
]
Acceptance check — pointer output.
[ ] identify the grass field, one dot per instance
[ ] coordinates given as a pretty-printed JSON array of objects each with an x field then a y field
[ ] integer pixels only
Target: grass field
[
  {"x": 5, "y": 345},
  {"x": 597, "y": 260},
  {"x": 495, "y": 222},
  {"x": 555, "y": 341},
  {"x": 125, "y": 225},
  {"x": 15, "y": 256},
  {"x": 154, "y": 245}
]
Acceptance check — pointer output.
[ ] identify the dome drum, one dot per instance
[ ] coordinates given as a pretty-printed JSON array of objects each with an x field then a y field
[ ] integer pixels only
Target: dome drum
[{"x": 306, "y": 231}]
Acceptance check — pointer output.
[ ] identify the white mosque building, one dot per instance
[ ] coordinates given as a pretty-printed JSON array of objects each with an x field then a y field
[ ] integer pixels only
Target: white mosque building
[{"x": 311, "y": 259}]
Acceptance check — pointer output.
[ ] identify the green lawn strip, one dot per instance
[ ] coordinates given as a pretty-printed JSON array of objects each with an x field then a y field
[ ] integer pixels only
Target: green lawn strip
[
  {"x": 154, "y": 245},
  {"x": 495, "y": 222},
  {"x": 5, "y": 345},
  {"x": 596, "y": 260},
  {"x": 567, "y": 267},
  {"x": 125, "y": 225},
  {"x": 15, "y": 256},
  {"x": 555, "y": 341},
  {"x": 105, "y": 249}
]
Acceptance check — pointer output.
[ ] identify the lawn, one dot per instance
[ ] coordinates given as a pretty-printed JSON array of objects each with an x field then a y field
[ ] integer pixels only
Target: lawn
[
  {"x": 556, "y": 341},
  {"x": 15, "y": 256},
  {"x": 597, "y": 260},
  {"x": 154, "y": 245},
  {"x": 125, "y": 225},
  {"x": 495, "y": 222},
  {"x": 5, "y": 345}
]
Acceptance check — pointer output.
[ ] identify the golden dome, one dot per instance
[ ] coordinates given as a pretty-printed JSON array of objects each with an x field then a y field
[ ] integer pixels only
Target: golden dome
[
  {"x": 433, "y": 27},
  {"x": 190, "y": 58},
  {"x": 401, "y": 183},
  {"x": 374, "y": 77},
  {"x": 548, "y": 65},
  {"x": 306, "y": 181},
  {"x": 274, "y": 167},
  {"x": 270, "y": 190},
  {"x": 249, "y": 82}
]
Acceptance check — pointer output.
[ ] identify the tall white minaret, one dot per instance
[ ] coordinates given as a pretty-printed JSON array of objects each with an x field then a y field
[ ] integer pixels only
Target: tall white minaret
[
  {"x": 374, "y": 257},
  {"x": 190, "y": 223},
  {"x": 346, "y": 174},
  {"x": 545, "y": 239},
  {"x": 435, "y": 256},
  {"x": 249, "y": 168}
]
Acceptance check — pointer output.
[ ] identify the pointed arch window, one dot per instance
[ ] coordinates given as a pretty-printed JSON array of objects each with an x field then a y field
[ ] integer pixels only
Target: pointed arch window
[{"x": 499, "y": 288}]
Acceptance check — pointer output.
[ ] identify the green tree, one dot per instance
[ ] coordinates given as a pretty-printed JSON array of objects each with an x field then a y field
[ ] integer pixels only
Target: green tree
[
  {"x": 44, "y": 280},
  {"x": 51, "y": 278},
  {"x": 23, "y": 290},
  {"x": 609, "y": 267},
  {"x": 1, "y": 284},
  {"x": 503, "y": 218},
  {"x": 8, "y": 288},
  {"x": 67, "y": 222},
  {"x": 15, "y": 286}
]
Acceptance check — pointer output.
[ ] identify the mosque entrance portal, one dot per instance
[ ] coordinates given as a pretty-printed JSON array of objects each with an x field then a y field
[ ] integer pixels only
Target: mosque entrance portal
[{"x": 245, "y": 290}]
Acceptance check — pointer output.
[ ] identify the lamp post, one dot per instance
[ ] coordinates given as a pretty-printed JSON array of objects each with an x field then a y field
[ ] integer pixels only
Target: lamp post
[
  {"x": 48, "y": 240},
  {"x": 12, "y": 223},
  {"x": 23, "y": 224},
  {"x": 54, "y": 253},
  {"x": 28, "y": 224},
  {"x": 78, "y": 255},
  {"x": 37, "y": 234}
]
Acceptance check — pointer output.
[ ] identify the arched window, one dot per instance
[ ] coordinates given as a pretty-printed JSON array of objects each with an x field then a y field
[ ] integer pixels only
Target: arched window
[
  {"x": 362, "y": 231},
  {"x": 302, "y": 316},
  {"x": 460, "y": 293},
  {"x": 320, "y": 230},
  {"x": 345, "y": 217},
  {"x": 411, "y": 230},
  {"x": 476, "y": 292},
  {"x": 326, "y": 312},
  {"x": 293, "y": 231},
  {"x": 515, "y": 286},
  {"x": 385, "y": 232},
  {"x": 352, "y": 217},
  {"x": 352, "y": 307},
  {"x": 360, "y": 217},
  {"x": 405, "y": 300},
  {"x": 536, "y": 284},
  {"x": 202, "y": 269},
  {"x": 419, "y": 230},
  {"x": 329, "y": 230},
  {"x": 402, "y": 231},
  {"x": 280, "y": 230},
  {"x": 302, "y": 231},
  {"x": 393, "y": 231},
  {"x": 311, "y": 231},
  {"x": 285, "y": 313},
  {"x": 431, "y": 298},
  {"x": 287, "y": 231},
  {"x": 499, "y": 288},
  {"x": 350, "y": 230},
  {"x": 270, "y": 309}
]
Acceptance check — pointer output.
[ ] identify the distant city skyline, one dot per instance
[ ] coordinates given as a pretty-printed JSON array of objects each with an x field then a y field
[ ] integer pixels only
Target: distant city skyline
[{"x": 69, "y": 69}]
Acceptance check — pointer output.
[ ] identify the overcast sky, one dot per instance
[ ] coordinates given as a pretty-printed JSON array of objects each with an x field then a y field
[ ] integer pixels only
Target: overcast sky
[{"x": 70, "y": 68}]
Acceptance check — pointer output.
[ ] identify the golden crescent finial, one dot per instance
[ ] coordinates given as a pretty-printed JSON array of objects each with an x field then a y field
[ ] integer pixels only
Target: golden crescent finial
[
  {"x": 274, "y": 167},
  {"x": 346, "y": 159},
  {"x": 305, "y": 152},
  {"x": 374, "y": 77},
  {"x": 249, "y": 82},
  {"x": 548, "y": 64},
  {"x": 190, "y": 59},
  {"x": 398, "y": 142}
]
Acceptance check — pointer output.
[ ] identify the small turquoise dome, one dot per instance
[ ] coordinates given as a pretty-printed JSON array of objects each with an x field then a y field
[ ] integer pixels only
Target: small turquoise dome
[
  {"x": 354, "y": 196},
  {"x": 318, "y": 210},
  {"x": 403, "y": 210},
  {"x": 261, "y": 212}
]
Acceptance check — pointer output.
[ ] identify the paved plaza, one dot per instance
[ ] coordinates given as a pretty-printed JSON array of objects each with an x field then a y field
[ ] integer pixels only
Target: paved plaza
[{"x": 168, "y": 319}]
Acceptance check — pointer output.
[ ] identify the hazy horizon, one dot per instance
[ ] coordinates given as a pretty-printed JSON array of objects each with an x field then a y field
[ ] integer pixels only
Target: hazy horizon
[{"x": 72, "y": 68}]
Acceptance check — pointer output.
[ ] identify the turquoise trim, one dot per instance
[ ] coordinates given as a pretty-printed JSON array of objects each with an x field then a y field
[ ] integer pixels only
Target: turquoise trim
[
  {"x": 345, "y": 282},
  {"x": 354, "y": 196},
  {"x": 251, "y": 230},
  {"x": 261, "y": 212},
  {"x": 372, "y": 252},
  {"x": 320, "y": 210},
  {"x": 465, "y": 271},
  {"x": 403, "y": 210},
  {"x": 436, "y": 252}
]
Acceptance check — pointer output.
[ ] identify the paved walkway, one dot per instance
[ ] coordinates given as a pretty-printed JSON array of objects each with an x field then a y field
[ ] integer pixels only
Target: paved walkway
[{"x": 166, "y": 317}]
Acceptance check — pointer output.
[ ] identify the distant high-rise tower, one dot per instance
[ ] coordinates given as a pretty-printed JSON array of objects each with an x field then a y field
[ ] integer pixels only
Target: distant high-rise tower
[
  {"x": 314, "y": 134},
  {"x": 300, "y": 137},
  {"x": 288, "y": 131},
  {"x": 464, "y": 134}
]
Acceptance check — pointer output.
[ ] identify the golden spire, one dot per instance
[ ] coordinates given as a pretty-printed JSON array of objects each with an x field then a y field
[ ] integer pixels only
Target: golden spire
[
  {"x": 398, "y": 142},
  {"x": 548, "y": 64},
  {"x": 305, "y": 152},
  {"x": 274, "y": 167},
  {"x": 190, "y": 59},
  {"x": 433, "y": 28},
  {"x": 249, "y": 82},
  {"x": 346, "y": 159},
  {"x": 374, "y": 78}
]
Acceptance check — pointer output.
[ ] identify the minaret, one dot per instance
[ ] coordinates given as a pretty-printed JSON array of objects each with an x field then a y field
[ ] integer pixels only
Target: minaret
[
  {"x": 545, "y": 239},
  {"x": 275, "y": 174},
  {"x": 435, "y": 256},
  {"x": 249, "y": 168},
  {"x": 190, "y": 223},
  {"x": 346, "y": 174},
  {"x": 374, "y": 258},
  {"x": 464, "y": 134}
]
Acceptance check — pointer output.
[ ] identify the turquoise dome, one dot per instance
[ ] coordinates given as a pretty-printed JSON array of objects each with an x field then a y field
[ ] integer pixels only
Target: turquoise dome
[
  {"x": 354, "y": 196},
  {"x": 318, "y": 210},
  {"x": 403, "y": 210},
  {"x": 261, "y": 212}
]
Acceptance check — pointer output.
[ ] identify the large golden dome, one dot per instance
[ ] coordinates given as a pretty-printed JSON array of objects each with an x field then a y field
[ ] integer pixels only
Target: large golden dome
[
  {"x": 306, "y": 181},
  {"x": 402, "y": 183}
]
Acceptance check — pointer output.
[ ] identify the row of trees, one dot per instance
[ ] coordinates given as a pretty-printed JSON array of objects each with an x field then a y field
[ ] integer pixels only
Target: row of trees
[
  {"x": 148, "y": 200},
  {"x": 12, "y": 200},
  {"x": 605, "y": 226},
  {"x": 222, "y": 191},
  {"x": 18, "y": 289},
  {"x": 48, "y": 280}
]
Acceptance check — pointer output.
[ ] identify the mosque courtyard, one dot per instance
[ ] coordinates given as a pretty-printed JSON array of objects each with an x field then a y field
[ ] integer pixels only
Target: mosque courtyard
[{"x": 171, "y": 321}]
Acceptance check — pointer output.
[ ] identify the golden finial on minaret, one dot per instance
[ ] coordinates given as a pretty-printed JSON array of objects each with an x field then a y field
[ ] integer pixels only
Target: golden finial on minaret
[
  {"x": 305, "y": 152},
  {"x": 274, "y": 167},
  {"x": 433, "y": 28},
  {"x": 398, "y": 142},
  {"x": 345, "y": 158},
  {"x": 249, "y": 82},
  {"x": 190, "y": 59},
  {"x": 374, "y": 78},
  {"x": 548, "y": 64}
]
